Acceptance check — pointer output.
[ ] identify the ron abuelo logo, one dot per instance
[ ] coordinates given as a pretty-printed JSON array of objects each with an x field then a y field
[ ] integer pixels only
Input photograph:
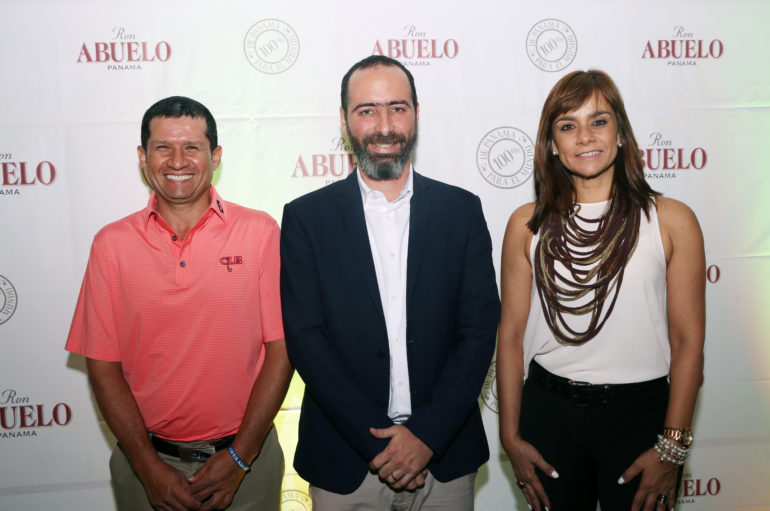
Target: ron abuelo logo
[
  {"x": 693, "y": 488},
  {"x": 415, "y": 47},
  {"x": 334, "y": 164},
  {"x": 683, "y": 48},
  {"x": 664, "y": 159},
  {"x": 16, "y": 174},
  {"x": 20, "y": 417},
  {"x": 123, "y": 51}
]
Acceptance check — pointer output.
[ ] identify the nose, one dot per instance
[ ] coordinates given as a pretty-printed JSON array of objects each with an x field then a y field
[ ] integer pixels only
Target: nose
[
  {"x": 177, "y": 159},
  {"x": 384, "y": 122},
  {"x": 585, "y": 135}
]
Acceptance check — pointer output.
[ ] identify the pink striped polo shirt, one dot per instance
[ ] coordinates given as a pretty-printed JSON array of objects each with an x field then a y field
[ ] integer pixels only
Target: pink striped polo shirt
[{"x": 188, "y": 318}]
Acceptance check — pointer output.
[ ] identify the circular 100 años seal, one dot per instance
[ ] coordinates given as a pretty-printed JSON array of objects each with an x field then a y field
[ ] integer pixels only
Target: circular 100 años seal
[
  {"x": 295, "y": 500},
  {"x": 271, "y": 46},
  {"x": 505, "y": 157},
  {"x": 551, "y": 45},
  {"x": 8, "y": 299},
  {"x": 489, "y": 389}
]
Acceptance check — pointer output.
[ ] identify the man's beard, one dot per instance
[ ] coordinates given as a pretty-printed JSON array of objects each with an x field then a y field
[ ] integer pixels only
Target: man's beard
[{"x": 383, "y": 167}]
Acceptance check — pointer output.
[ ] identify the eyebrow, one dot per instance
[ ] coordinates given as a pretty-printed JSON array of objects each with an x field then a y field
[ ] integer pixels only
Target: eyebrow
[
  {"x": 391, "y": 103},
  {"x": 186, "y": 142},
  {"x": 572, "y": 118}
]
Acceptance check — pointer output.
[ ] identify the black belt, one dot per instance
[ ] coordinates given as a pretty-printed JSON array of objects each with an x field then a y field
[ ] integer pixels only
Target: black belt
[
  {"x": 185, "y": 453},
  {"x": 587, "y": 394}
]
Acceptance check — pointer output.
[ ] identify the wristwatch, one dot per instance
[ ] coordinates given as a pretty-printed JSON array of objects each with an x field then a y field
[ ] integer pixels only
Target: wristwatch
[{"x": 681, "y": 435}]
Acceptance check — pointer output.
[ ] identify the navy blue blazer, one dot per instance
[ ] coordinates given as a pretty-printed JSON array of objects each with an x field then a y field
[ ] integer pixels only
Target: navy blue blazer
[{"x": 337, "y": 339}]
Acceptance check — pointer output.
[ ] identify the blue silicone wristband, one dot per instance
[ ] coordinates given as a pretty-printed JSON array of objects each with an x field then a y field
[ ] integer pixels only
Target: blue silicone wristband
[{"x": 237, "y": 459}]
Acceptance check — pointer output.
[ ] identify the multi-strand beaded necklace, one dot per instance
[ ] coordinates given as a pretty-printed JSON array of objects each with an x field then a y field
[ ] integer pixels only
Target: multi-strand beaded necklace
[{"x": 594, "y": 258}]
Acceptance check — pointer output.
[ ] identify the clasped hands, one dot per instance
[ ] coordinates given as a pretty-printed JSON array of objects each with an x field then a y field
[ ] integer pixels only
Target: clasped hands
[
  {"x": 213, "y": 486},
  {"x": 402, "y": 465}
]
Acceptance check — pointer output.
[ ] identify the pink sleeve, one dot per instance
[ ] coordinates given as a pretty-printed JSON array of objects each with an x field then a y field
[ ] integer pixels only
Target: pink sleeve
[
  {"x": 269, "y": 285},
  {"x": 92, "y": 333}
]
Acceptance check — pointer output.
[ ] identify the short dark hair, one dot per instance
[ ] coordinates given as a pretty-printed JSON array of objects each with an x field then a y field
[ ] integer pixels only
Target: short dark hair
[
  {"x": 176, "y": 107},
  {"x": 372, "y": 61}
]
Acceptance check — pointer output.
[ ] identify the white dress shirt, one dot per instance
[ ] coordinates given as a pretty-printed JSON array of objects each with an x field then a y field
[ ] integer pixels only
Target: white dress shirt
[{"x": 387, "y": 224}]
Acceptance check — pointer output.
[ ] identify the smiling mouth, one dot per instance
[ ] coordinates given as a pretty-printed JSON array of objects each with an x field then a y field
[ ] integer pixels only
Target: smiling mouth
[
  {"x": 178, "y": 177},
  {"x": 589, "y": 154},
  {"x": 384, "y": 147},
  {"x": 386, "y": 143}
]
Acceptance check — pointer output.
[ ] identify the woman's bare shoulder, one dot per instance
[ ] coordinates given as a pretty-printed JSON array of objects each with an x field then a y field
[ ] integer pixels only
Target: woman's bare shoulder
[
  {"x": 522, "y": 214},
  {"x": 675, "y": 214}
]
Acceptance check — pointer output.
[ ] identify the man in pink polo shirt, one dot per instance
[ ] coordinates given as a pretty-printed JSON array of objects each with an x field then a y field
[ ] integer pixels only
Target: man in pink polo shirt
[{"x": 179, "y": 317}]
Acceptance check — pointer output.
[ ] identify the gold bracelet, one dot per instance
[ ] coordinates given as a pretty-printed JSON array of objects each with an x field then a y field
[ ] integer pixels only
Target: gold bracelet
[{"x": 682, "y": 435}]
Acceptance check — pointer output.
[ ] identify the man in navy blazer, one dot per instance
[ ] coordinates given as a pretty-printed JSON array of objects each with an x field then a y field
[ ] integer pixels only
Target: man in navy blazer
[{"x": 390, "y": 311}]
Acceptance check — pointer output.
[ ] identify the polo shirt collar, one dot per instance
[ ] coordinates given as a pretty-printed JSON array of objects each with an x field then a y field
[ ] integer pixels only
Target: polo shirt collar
[{"x": 217, "y": 205}]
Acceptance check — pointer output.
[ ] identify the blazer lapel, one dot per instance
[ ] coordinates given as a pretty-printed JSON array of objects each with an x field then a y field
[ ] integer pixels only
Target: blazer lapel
[
  {"x": 418, "y": 230},
  {"x": 353, "y": 214}
]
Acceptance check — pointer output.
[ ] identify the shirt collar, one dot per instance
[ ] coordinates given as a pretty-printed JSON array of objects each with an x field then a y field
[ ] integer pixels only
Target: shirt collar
[
  {"x": 367, "y": 192},
  {"x": 217, "y": 205}
]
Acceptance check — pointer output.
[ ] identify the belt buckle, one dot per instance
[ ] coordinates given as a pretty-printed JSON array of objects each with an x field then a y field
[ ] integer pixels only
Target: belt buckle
[
  {"x": 196, "y": 454},
  {"x": 579, "y": 397}
]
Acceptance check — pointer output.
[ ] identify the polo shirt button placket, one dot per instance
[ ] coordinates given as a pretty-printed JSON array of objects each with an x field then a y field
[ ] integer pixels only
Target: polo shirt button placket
[
  {"x": 184, "y": 252},
  {"x": 183, "y": 272}
]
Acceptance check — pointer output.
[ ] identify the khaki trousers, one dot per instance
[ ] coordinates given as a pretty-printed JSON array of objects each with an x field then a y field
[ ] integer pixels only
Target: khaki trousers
[
  {"x": 259, "y": 490},
  {"x": 374, "y": 495}
]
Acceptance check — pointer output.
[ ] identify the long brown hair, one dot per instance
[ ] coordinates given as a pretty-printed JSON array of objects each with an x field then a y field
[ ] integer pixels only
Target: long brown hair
[{"x": 554, "y": 190}]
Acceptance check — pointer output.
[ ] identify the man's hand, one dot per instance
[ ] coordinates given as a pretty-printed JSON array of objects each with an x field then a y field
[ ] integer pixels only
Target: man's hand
[
  {"x": 402, "y": 465},
  {"x": 167, "y": 489},
  {"x": 216, "y": 482}
]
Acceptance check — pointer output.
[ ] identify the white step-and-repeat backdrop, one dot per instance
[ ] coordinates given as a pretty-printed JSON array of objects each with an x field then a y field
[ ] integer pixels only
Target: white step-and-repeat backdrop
[{"x": 77, "y": 75}]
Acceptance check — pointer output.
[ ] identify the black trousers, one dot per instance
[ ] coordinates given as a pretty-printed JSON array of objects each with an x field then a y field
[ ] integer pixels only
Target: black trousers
[{"x": 590, "y": 445}]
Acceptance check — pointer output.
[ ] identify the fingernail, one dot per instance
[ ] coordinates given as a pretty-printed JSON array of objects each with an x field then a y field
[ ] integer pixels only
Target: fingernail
[
  {"x": 621, "y": 481},
  {"x": 555, "y": 474}
]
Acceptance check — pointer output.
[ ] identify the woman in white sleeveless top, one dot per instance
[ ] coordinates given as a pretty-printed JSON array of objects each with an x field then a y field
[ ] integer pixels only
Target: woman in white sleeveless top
[{"x": 603, "y": 313}]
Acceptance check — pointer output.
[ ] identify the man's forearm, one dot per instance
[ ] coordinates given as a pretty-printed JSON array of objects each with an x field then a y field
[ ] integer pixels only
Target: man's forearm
[
  {"x": 121, "y": 412},
  {"x": 266, "y": 397}
]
